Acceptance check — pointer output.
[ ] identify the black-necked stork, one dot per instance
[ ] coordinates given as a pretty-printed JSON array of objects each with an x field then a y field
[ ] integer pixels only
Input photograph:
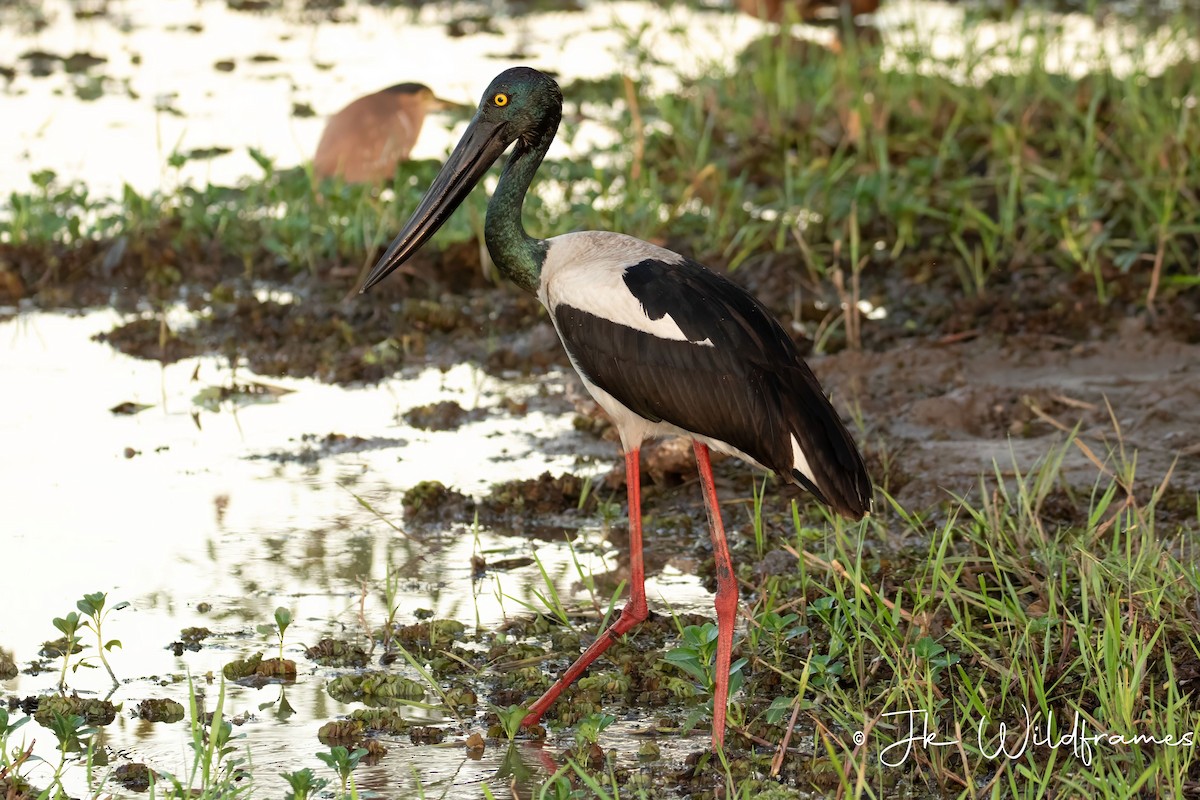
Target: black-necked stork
[{"x": 665, "y": 346}]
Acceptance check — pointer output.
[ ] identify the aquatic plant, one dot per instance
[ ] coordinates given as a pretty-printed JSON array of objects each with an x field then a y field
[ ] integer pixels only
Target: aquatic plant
[
  {"x": 92, "y": 606},
  {"x": 343, "y": 761},
  {"x": 283, "y": 618},
  {"x": 510, "y": 719},
  {"x": 303, "y": 783}
]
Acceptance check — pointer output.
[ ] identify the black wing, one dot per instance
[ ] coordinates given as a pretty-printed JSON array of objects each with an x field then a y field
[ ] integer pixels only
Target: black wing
[{"x": 750, "y": 388}]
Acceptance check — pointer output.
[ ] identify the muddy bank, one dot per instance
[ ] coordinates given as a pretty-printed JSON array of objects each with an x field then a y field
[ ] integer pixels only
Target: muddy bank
[{"x": 943, "y": 386}]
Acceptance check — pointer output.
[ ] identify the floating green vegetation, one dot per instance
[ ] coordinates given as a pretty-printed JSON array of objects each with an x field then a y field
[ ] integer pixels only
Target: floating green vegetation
[
  {"x": 341, "y": 731},
  {"x": 8, "y": 666},
  {"x": 256, "y": 669},
  {"x": 93, "y": 711},
  {"x": 190, "y": 639},
  {"x": 426, "y": 500},
  {"x": 336, "y": 653},
  {"x": 135, "y": 777},
  {"x": 431, "y": 637},
  {"x": 160, "y": 710},
  {"x": 380, "y": 720},
  {"x": 375, "y": 688}
]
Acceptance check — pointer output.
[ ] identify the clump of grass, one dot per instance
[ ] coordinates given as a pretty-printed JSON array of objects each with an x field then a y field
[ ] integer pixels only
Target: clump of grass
[
  {"x": 275, "y": 225},
  {"x": 869, "y": 160},
  {"x": 1028, "y": 170},
  {"x": 215, "y": 769},
  {"x": 1007, "y": 619}
]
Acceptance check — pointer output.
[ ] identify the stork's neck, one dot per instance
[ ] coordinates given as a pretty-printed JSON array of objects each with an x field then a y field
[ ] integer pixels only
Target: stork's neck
[{"x": 518, "y": 255}]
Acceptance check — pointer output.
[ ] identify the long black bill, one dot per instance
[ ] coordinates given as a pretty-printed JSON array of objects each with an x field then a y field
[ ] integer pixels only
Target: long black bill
[{"x": 479, "y": 148}]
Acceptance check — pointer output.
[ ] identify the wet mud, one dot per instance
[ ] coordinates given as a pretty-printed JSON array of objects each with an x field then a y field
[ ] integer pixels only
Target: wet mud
[{"x": 941, "y": 386}]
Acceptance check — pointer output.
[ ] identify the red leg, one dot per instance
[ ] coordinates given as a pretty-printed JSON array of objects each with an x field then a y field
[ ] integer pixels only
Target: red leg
[
  {"x": 635, "y": 610},
  {"x": 727, "y": 595}
]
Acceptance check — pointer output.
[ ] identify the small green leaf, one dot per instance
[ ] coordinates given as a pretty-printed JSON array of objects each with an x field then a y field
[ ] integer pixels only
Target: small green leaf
[
  {"x": 68, "y": 624},
  {"x": 779, "y": 708},
  {"x": 693, "y": 718},
  {"x": 686, "y": 659},
  {"x": 263, "y": 160},
  {"x": 823, "y": 604},
  {"x": 510, "y": 719},
  {"x": 926, "y": 648},
  {"x": 43, "y": 178}
]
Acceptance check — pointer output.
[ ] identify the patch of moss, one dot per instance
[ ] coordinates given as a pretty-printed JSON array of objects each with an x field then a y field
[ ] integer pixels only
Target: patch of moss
[
  {"x": 545, "y": 494},
  {"x": 446, "y": 415}
]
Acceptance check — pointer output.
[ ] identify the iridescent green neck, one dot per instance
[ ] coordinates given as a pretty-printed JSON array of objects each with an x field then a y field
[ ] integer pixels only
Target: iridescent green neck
[{"x": 518, "y": 255}]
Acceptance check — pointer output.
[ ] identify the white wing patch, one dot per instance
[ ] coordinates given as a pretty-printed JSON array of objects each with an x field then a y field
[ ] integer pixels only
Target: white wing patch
[
  {"x": 586, "y": 271},
  {"x": 800, "y": 462}
]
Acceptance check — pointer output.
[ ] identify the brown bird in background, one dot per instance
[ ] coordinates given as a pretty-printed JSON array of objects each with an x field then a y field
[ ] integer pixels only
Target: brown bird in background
[{"x": 364, "y": 141}]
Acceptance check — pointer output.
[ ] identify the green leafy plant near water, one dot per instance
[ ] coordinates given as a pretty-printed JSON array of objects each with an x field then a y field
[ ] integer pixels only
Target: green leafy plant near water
[
  {"x": 283, "y": 618},
  {"x": 343, "y": 761},
  {"x": 90, "y": 616}
]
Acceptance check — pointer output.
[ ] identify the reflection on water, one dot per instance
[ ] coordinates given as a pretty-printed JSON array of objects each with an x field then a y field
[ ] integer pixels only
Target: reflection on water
[
  {"x": 176, "y": 506},
  {"x": 166, "y": 95}
]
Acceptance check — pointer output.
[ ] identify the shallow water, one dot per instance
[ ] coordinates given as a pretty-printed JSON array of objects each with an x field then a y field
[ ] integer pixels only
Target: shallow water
[
  {"x": 214, "y": 508},
  {"x": 173, "y": 100},
  {"x": 218, "y": 505}
]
